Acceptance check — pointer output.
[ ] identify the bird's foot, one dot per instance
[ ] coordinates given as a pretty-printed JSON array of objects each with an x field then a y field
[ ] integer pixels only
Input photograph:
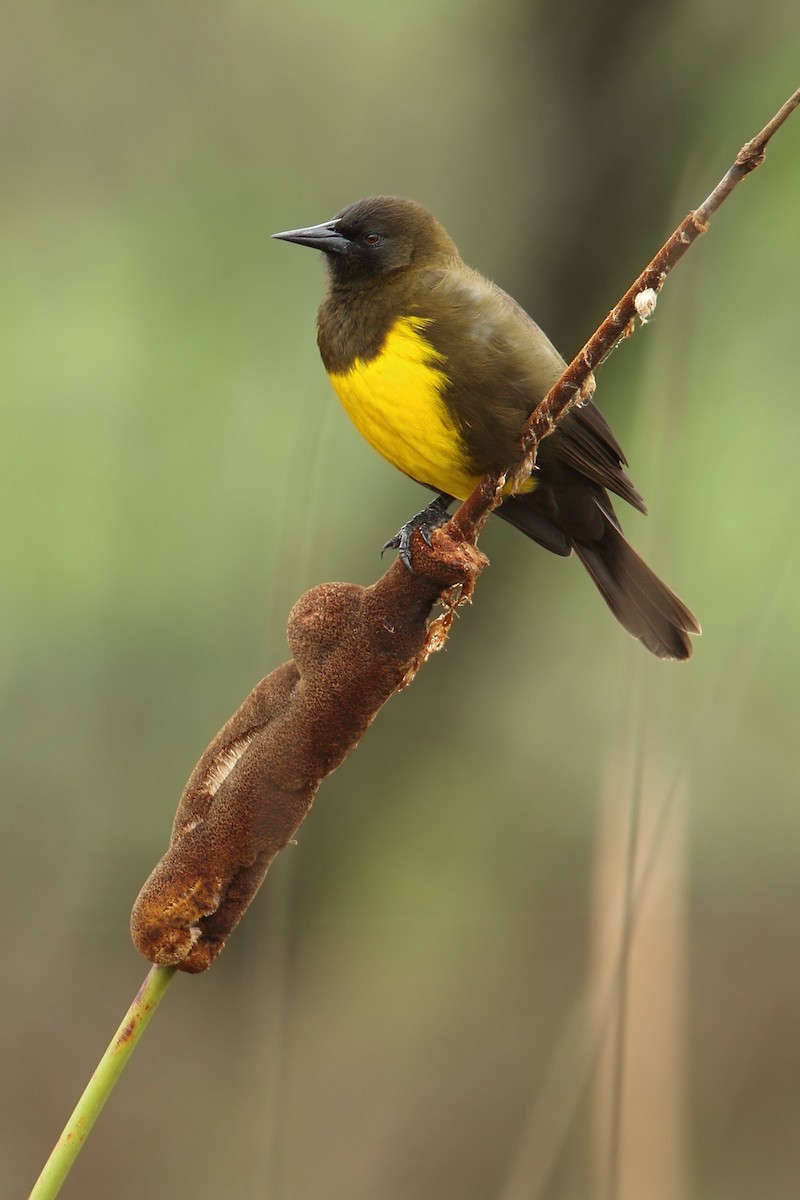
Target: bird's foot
[{"x": 431, "y": 517}]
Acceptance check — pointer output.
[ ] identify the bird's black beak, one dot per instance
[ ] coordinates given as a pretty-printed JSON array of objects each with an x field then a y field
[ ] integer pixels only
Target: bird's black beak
[{"x": 319, "y": 237}]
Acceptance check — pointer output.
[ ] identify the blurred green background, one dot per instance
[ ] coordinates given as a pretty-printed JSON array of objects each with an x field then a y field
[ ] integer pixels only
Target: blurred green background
[{"x": 400, "y": 1016}]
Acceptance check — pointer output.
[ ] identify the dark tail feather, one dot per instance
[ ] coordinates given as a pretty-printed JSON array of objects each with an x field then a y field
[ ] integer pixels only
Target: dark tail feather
[{"x": 636, "y": 596}]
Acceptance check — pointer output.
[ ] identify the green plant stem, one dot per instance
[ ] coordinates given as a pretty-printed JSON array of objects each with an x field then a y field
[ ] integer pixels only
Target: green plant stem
[{"x": 98, "y": 1089}]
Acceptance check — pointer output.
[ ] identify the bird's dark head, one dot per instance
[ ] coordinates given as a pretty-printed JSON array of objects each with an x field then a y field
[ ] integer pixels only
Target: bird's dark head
[{"x": 375, "y": 237}]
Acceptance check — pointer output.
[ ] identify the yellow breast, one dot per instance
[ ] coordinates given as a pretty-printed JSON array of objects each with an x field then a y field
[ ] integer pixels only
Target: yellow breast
[{"x": 395, "y": 401}]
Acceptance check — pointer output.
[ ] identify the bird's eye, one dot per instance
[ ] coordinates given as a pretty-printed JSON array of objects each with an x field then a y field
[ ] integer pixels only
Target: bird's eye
[{"x": 371, "y": 239}]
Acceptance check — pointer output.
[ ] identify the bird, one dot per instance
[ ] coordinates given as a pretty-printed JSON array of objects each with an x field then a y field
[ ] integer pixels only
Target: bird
[{"x": 439, "y": 368}]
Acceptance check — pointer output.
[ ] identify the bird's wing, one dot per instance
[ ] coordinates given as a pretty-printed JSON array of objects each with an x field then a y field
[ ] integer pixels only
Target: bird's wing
[{"x": 515, "y": 355}]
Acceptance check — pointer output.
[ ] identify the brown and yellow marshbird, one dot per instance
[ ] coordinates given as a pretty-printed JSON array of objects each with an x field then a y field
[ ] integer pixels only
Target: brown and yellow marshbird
[{"x": 439, "y": 369}]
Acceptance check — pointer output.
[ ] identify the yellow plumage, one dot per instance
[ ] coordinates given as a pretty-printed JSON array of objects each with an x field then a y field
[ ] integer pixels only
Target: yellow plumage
[{"x": 395, "y": 402}]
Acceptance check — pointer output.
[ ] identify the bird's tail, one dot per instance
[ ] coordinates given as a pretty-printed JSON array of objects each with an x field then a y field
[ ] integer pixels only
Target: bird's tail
[
  {"x": 642, "y": 604},
  {"x": 639, "y": 600}
]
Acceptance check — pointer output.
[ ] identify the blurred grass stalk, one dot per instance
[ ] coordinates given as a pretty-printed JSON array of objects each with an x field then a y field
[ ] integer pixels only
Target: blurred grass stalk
[
  {"x": 639, "y": 1116},
  {"x": 98, "y": 1089}
]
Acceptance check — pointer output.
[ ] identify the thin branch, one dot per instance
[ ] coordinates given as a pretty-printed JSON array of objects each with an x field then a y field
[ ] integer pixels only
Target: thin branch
[
  {"x": 99, "y": 1087},
  {"x": 749, "y": 157}
]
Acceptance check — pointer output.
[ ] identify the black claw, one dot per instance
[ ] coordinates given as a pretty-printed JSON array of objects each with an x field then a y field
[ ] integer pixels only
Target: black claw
[{"x": 430, "y": 518}]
